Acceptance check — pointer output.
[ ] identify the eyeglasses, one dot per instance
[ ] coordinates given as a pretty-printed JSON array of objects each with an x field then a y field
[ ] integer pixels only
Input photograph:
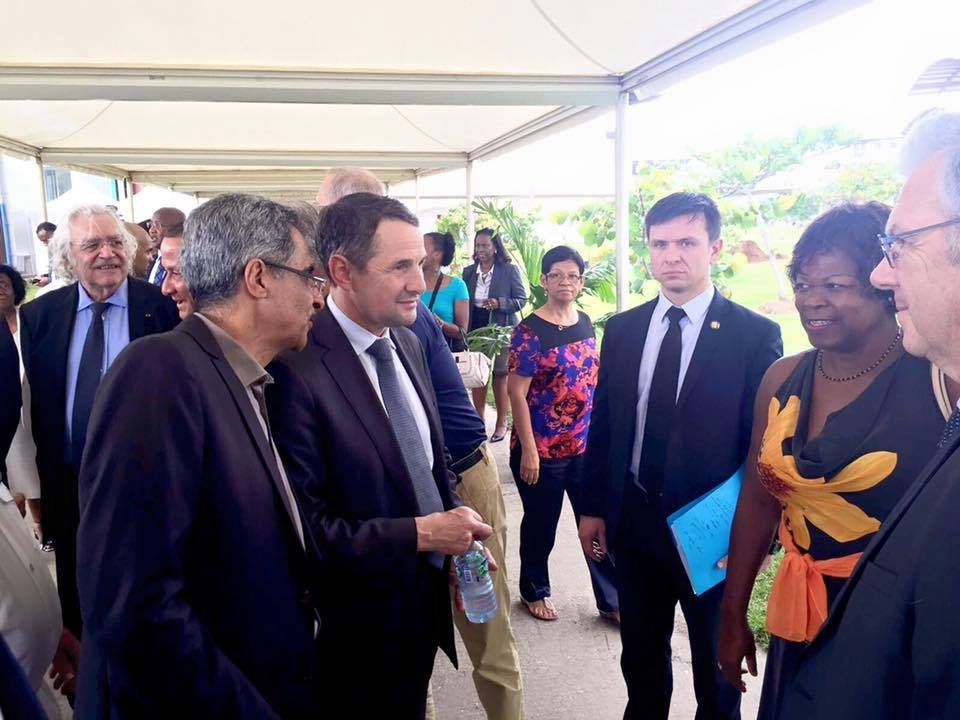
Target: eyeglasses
[
  {"x": 556, "y": 277},
  {"x": 890, "y": 243},
  {"x": 317, "y": 281},
  {"x": 94, "y": 244}
]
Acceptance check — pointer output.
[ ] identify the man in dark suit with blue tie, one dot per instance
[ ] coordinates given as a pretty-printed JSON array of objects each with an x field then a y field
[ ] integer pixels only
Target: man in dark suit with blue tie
[
  {"x": 890, "y": 647},
  {"x": 70, "y": 337},
  {"x": 358, "y": 429},
  {"x": 671, "y": 421}
]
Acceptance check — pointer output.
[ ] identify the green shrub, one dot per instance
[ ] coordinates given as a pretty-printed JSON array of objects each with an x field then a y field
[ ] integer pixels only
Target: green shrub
[{"x": 757, "y": 611}]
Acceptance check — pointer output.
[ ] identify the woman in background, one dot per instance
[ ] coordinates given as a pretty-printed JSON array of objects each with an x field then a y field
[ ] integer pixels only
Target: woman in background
[
  {"x": 553, "y": 374},
  {"x": 496, "y": 296},
  {"x": 446, "y": 296}
]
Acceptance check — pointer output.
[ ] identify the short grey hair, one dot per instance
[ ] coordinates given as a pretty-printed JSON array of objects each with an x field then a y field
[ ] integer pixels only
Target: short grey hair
[
  {"x": 343, "y": 181},
  {"x": 932, "y": 133},
  {"x": 221, "y": 236},
  {"x": 80, "y": 212},
  {"x": 307, "y": 218}
]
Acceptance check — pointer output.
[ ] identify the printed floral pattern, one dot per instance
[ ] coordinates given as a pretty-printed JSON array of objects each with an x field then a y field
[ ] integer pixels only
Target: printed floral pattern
[
  {"x": 561, "y": 390},
  {"x": 814, "y": 499}
]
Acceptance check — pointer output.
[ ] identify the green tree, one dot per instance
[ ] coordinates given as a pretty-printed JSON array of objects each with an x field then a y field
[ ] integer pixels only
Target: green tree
[{"x": 737, "y": 170}]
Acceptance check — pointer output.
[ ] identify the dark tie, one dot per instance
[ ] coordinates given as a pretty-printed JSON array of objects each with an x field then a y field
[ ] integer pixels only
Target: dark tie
[
  {"x": 88, "y": 379},
  {"x": 953, "y": 424},
  {"x": 407, "y": 435},
  {"x": 661, "y": 407}
]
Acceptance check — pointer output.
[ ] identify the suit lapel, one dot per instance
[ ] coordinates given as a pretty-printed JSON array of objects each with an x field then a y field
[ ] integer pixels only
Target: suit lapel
[
  {"x": 627, "y": 381},
  {"x": 888, "y": 526},
  {"x": 712, "y": 334},
  {"x": 195, "y": 328},
  {"x": 139, "y": 316},
  {"x": 470, "y": 278},
  {"x": 61, "y": 321},
  {"x": 344, "y": 367}
]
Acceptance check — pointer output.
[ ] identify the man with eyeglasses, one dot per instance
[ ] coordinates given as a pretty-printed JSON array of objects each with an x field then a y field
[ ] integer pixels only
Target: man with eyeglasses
[
  {"x": 70, "y": 337},
  {"x": 890, "y": 647},
  {"x": 193, "y": 560}
]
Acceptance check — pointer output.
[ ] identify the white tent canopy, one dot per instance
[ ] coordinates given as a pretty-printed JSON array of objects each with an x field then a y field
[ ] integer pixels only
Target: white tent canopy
[{"x": 205, "y": 97}]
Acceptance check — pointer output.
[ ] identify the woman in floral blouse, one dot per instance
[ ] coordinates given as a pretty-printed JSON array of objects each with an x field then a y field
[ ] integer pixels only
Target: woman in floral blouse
[{"x": 553, "y": 374}]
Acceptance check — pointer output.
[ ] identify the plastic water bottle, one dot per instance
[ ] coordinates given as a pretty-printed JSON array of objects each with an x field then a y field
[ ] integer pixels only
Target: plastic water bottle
[{"x": 476, "y": 585}]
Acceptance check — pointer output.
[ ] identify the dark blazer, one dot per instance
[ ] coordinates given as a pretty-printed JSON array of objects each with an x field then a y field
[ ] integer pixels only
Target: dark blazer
[
  {"x": 890, "y": 647},
  {"x": 46, "y": 327},
  {"x": 10, "y": 397},
  {"x": 381, "y": 602},
  {"x": 192, "y": 578},
  {"x": 715, "y": 407},
  {"x": 506, "y": 286}
]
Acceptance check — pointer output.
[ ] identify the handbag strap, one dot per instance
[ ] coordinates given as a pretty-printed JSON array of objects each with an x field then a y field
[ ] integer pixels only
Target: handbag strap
[{"x": 436, "y": 289}]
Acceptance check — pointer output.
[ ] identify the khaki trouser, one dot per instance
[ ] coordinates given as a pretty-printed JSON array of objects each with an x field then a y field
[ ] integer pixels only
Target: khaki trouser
[{"x": 491, "y": 646}]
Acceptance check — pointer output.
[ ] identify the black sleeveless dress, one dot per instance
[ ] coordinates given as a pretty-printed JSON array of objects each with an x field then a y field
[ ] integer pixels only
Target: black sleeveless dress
[{"x": 836, "y": 489}]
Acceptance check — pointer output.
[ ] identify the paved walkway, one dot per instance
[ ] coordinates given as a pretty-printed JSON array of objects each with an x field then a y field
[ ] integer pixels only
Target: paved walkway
[{"x": 571, "y": 666}]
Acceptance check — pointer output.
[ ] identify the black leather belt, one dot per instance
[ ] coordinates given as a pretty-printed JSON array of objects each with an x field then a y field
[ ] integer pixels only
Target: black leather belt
[{"x": 460, "y": 466}]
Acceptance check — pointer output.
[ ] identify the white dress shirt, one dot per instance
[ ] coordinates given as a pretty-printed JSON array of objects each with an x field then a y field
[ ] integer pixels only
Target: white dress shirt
[
  {"x": 690, "y": 326},
  {"x": 482, "y": 291},
  {"x": 360, "y": 339}
]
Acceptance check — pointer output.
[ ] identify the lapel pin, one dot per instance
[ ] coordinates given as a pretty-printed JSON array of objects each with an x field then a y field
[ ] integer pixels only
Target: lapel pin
[{"x": 714, "y": 325}]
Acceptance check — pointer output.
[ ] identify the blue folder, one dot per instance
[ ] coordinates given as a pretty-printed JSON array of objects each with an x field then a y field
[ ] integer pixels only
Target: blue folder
[{"x": 701, "y": 531}]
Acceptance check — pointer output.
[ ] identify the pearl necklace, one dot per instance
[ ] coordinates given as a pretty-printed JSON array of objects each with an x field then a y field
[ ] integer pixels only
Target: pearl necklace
[{"x": 868, "y": 369}]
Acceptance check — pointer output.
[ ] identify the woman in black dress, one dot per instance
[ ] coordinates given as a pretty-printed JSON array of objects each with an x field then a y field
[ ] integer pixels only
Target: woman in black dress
[{"x": 839, "y": 434}]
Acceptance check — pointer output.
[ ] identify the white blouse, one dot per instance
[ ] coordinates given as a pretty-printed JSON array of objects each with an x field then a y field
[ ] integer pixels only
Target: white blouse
[{"x": 482, "y": 291}]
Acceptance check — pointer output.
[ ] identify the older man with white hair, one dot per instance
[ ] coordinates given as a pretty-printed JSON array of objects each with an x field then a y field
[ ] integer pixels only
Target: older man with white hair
[
  {"x": 69, "y": 338},
  {"x": 890, "y": 648}
]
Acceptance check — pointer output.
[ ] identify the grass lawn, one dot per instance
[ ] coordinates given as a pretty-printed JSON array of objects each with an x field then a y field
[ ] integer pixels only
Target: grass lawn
[{"x": 753, "y": 286}]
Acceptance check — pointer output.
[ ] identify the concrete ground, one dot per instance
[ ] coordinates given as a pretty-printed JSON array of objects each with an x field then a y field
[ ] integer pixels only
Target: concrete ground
[{"x": 571, "y": 667}]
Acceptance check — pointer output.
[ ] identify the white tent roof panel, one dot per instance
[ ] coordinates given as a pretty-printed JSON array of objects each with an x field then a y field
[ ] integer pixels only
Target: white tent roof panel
[
  {"x": 495, "y": 36},
  {"x": 216, "y": 126},
  {"x": 180, "y": 87}
]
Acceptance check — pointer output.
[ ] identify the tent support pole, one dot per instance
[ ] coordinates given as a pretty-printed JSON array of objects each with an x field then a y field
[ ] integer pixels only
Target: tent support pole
[
  {"x": 470, "y": 218},
  {"x": 622, "y": 185},
  {"x": 43, "y": 190}
]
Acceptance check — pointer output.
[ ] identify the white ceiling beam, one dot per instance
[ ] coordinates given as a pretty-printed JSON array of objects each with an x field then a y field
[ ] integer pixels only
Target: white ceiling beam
[
  {"x": 536, "y": 129},
  {"x": 127, "y": 157},
  {"x": 276, "y": 86},
  {"x": 21, "y": 150}
]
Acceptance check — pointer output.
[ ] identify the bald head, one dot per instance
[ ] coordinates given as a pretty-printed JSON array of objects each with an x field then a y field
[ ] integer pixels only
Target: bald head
[
  {"x": 341, "y": 182},
  {"x": 141, "y": 261}
]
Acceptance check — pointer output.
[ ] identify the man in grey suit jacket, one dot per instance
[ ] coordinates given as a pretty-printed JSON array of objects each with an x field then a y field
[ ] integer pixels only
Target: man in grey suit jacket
[{"x": 890, "y": 648}]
